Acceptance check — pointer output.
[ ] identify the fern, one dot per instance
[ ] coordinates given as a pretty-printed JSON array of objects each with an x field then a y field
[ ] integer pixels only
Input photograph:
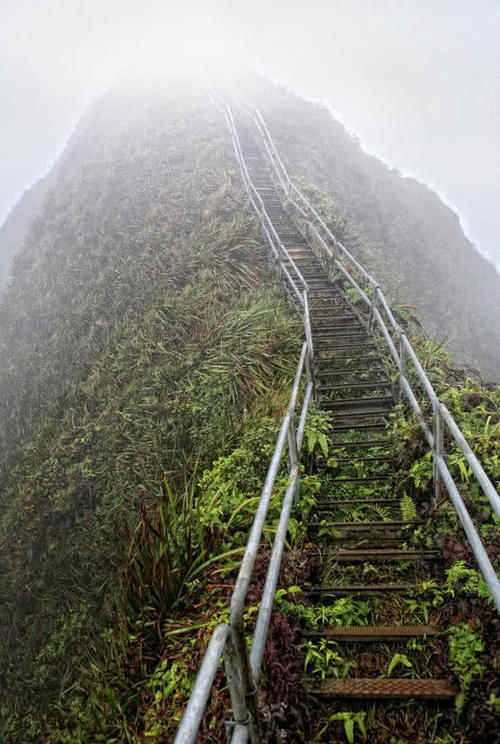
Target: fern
[
  {"x": 408, "y": 509},
  {"x": 382, "y": 512},
  {"x": 398, "y": 660}
]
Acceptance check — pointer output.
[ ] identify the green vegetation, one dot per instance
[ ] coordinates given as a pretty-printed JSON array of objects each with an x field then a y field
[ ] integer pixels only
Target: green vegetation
[
  {"x": 399, "y": 229},
  {"x": 146, "y": 359},
  {"x": 141, "y": 342}
]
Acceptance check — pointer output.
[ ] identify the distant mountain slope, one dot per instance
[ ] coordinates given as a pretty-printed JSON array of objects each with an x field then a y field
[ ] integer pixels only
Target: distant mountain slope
[
  {"x": 14, "y": 230},
  {"x": 401, "y": 230}
]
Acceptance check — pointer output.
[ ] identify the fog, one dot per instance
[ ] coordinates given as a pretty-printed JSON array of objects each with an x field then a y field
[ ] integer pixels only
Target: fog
[{"x": 417, "y": 80}]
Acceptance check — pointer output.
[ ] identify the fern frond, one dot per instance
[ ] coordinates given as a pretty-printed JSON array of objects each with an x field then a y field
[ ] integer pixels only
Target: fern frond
[{"x": 408, "y": 509}]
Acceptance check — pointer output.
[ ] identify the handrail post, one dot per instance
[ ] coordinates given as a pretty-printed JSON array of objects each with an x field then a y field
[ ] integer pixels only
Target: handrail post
[
  {"x": 293, "y": 455},
  {"x": 437, "y": 446},
  {"x": 333, "y": 261},
  {"x": 234, "y": 674},
  {"x": 307, "y": 325},
  {"x": 373, "y": 307},
  {"x": 402, "y": 361},
  {"x": 242, "y": 688}
]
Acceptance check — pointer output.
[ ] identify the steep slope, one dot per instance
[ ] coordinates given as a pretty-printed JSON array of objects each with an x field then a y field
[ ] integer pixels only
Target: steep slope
[
  {"x": 14, "y": 230},
  {"x": 139, "y": 334},
  {"x": 401, "y": 230},
  {"x": 145, "y": 359}
]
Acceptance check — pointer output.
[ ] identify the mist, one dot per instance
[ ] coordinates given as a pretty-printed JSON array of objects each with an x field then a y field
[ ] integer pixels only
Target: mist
[{"x": 417, "y": 82}]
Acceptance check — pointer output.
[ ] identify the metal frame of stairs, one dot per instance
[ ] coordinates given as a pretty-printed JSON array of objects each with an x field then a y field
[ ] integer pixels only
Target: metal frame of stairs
[{"x": 340, "y": 357}]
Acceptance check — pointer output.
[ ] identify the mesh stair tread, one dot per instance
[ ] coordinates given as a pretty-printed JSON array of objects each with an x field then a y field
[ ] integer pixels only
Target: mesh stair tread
[
  {"x": 372, "y": 633},
  {"x": 368, "y": 687}
]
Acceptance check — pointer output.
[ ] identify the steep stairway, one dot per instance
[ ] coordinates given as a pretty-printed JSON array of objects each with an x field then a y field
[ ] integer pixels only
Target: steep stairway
[{"x": 356, "y": 531}]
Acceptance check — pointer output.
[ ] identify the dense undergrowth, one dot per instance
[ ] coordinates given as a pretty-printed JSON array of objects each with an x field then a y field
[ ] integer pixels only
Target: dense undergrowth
[
  {"x": 141, "y": 337},
  {"x": 146, "y": 362},
  {"x": 399, "y": 229},
  {"x": 453, "y": 596}
]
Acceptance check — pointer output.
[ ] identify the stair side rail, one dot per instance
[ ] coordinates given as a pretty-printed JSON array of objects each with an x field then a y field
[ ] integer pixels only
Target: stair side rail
[
  {"x": 229, "y": 640},
  {"x": 401, "y": 351}
]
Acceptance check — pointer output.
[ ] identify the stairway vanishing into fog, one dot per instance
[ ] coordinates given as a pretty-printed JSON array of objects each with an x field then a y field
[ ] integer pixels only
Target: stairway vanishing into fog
[
  {"x": 351, "y": 383},
  {"x": 362, "y": 547}
]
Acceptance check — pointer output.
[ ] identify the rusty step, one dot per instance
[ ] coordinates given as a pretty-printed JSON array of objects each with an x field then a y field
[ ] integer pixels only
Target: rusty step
[
  {"x": 359, "y": 427},
  {"x": 372, "y": 633},
  {"x": 353, "y": 385},
  {"x": 361, "y": 479},
  {"x": 368, "y": 687},
  {"x": 385, "y": 554},
  {"x": 362, "y": 415},
  {"x": 355, "y": 419},
  {"x": 342, "y": 335},
  {"x": 327, "y": 346},
  {"x": 358, "y": 589},
  {"x": 347, "y": 461},
  {"x": 356, "y": 402},
  {"x": 342, "y": 322},
  {"x": 339, "y": 503},
  {"x": 367, "y": 525},
  {"x": 362, "y": 444},
  {"x": 349, "y": 371}
]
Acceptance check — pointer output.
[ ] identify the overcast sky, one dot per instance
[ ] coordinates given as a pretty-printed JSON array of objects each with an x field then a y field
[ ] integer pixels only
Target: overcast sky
[{"x": 417, "y": 80}]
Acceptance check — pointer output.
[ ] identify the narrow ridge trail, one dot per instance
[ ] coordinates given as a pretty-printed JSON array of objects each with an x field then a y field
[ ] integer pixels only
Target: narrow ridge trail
[
  {"x": 356, "y": 529},
  {"x": 359, "y": 635}
]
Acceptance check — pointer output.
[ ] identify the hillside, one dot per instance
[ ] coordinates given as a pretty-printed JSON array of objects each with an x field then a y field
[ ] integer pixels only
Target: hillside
[
  {"x": 14, "y": 230},
  {"x": 403, "y": 233},
  {"x": 146, "y": 357},
  {"x": 138, "y": 334}
]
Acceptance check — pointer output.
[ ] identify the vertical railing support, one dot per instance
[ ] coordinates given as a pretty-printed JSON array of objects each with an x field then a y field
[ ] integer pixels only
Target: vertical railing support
[
  {"x": 241, "y": 684},
  {"x": 437, "y": 446},
  {"x": 373, "y": 307},
  {"x": 293, "y": 455},
  {"x": 333, "y": 261},
  {"x": 402, "y": 362},
  {"x": 307, "y": 325},
  {"x": 234, "y": 673}
]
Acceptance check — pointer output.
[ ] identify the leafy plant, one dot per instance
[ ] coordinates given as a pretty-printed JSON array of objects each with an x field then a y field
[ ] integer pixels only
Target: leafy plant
[
  {"x": 344, "y": 611},
  {"x": 351, "y": 720},
  {"x": 323, "y": 659},
  {"x": 467, "y": 580},
  {"x": 408, "y": 509},
  {"x": 465, "y": 648},
  {"x": 317, "y": 428},
  {"x": 397, "y": 661}
]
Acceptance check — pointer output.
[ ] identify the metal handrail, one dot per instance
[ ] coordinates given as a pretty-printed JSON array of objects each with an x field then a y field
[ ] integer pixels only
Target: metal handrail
[
  {"x": 229, "y": 641},
  {"x": 376, "y": 303}
]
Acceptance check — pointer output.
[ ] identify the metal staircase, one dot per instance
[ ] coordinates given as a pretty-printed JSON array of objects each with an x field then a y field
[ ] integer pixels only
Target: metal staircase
[
  {"x": 344, "y": 372},
  {"x": 350, "y": 382}
]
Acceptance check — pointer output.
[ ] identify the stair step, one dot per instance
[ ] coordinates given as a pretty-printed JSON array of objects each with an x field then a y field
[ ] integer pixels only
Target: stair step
[
  {"x": 379, "y": 399},
  {"x": 361, "y": 414},
  {"x": 372, "y": 633},
  {"x": 361, "y": 479},
  {"x": 368, "y": 687},
  {"x": 358, "y": 589},
  {"x": 347, "y": 461},
  {"x": 327, "y": 346},
  {"x": 384, "y": 554},
  {"x": 359, "y": 427},
  {"x": 339, "y": 503},
  {"x": 367, "y": 525},
  {"x": 358, "y": 332},
  {"x": 348, "y": 371},
  {"x": 331, "y": 316},
  {"x": 353, "y": 385},
  {"x": 362, "y": 444}
]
